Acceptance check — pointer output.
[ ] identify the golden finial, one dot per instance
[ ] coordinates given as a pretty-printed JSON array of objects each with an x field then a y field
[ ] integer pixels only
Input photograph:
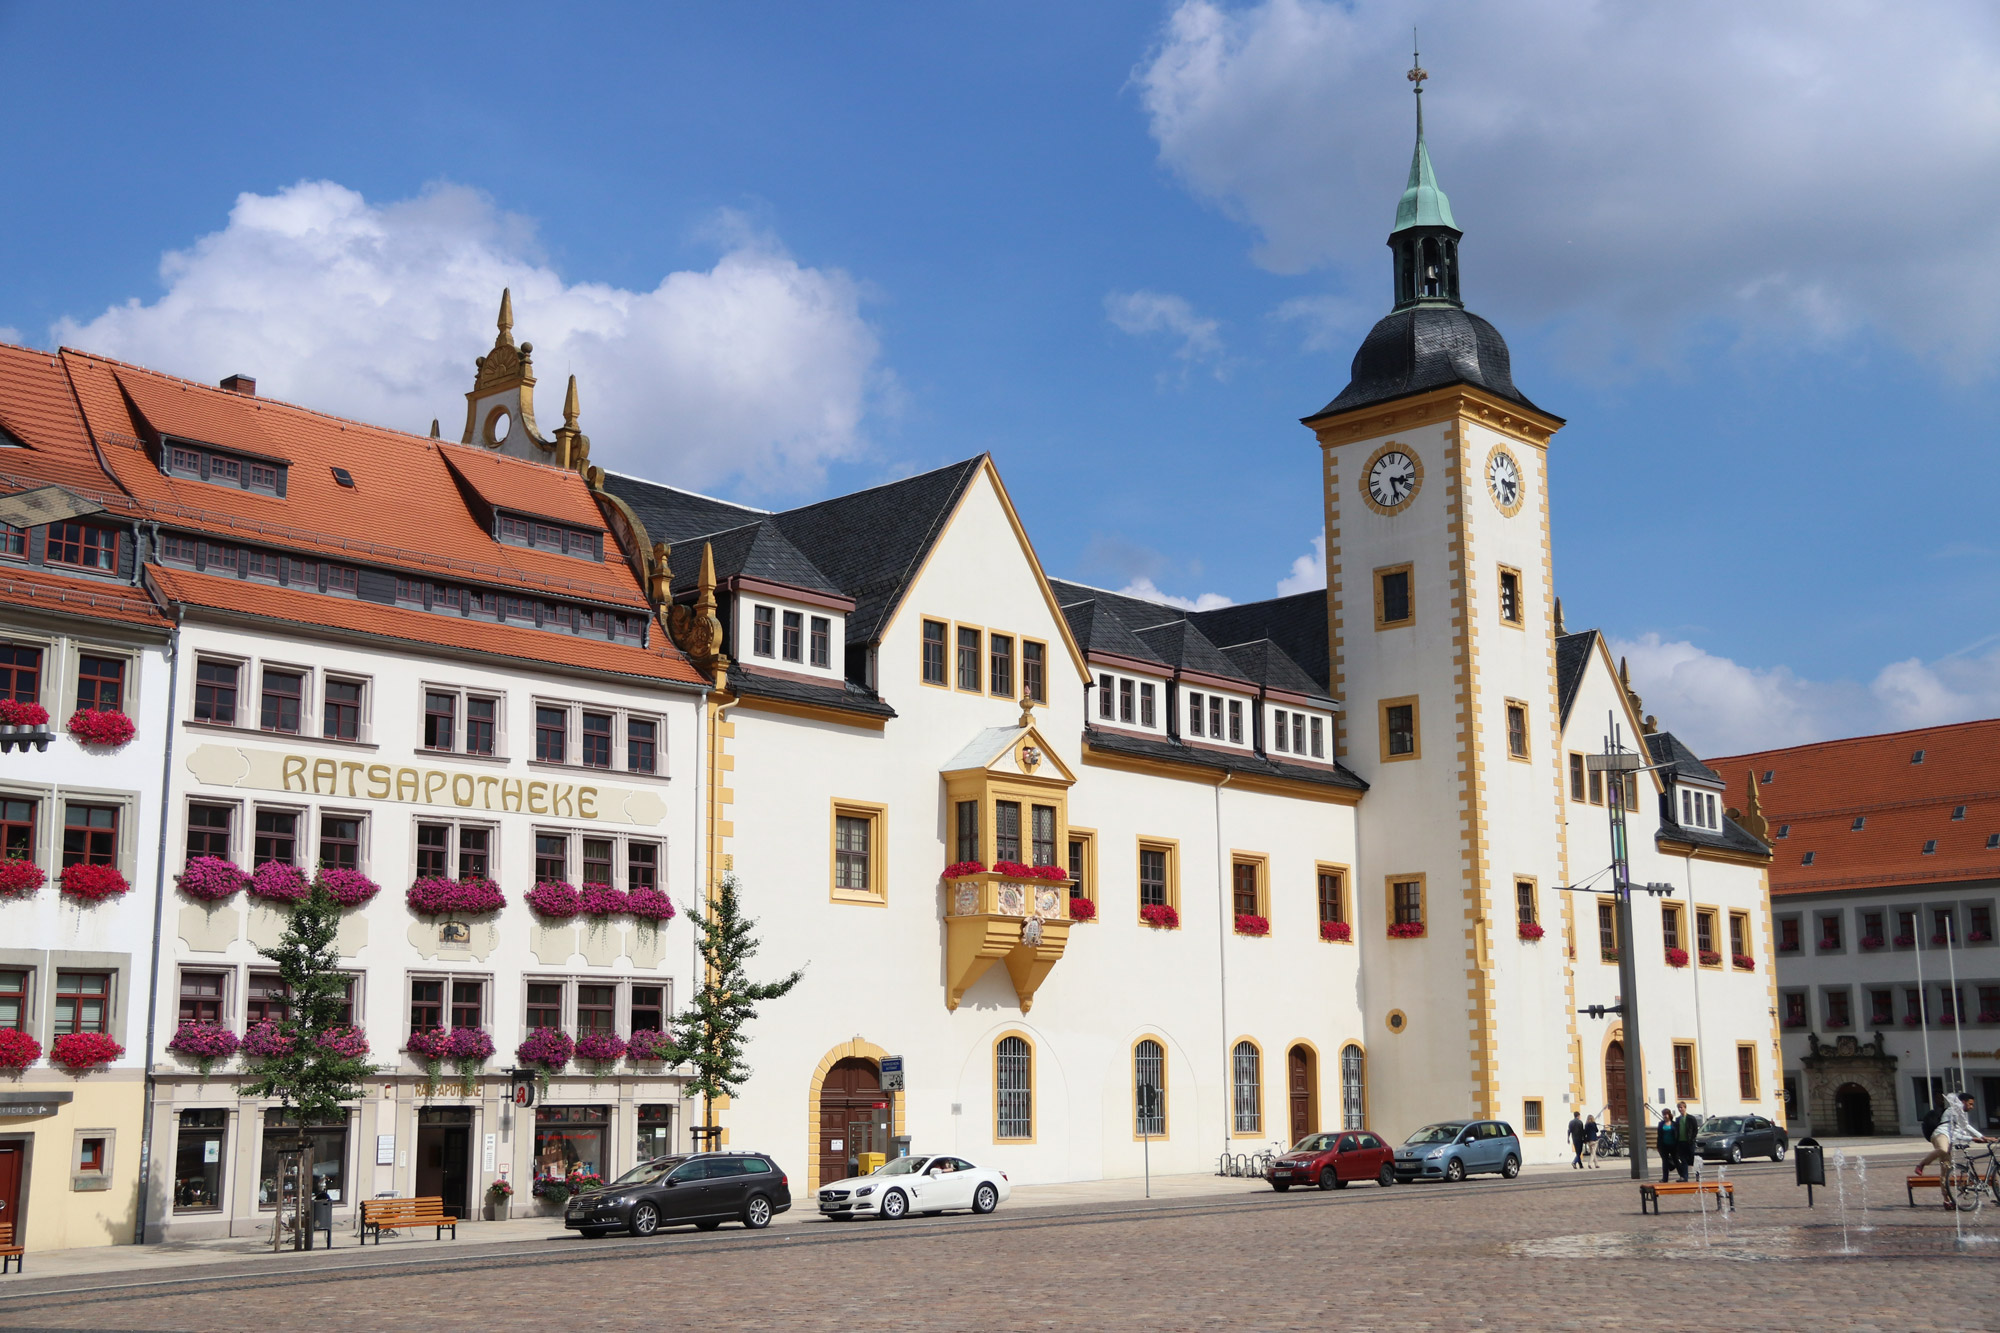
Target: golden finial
[
  {"x": 1027, "y": 712},
  {"x": 1559, "y": 617},
  {"x": 1625, "y": 674},
  {"x": 569, "y": 405},
  {"x": 506, "y": 338},
  {"x": 1753, "y": 820}
]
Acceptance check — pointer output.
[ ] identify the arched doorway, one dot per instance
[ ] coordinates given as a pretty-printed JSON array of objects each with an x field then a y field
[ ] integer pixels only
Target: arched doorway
[
  {"x": 850, "y": 1100},
  {"x": 1302, "y": 1078},
  {"x": 1853, "y": 1112},
  {"x": 1614, "y": 1085}
]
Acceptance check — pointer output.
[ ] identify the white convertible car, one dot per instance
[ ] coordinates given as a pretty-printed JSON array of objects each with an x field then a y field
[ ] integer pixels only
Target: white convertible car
[{"x": 915, "y": 1185}]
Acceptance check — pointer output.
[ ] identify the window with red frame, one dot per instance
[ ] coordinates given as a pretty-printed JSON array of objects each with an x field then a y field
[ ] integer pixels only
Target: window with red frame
[
  {"x": 473, "y": 847},
  {"x": 17, "y": 829},
  {"x": 14, "y": 998},
  {"x": 270, "y": 999},
  {"x": 279, "y": 709},
  {"x": 90, "y": 1157},
  {"x": 20, "y": 673},
  {"x": 343, "y": 579},
  {"x": 215, "y": 692},
  {"x": 100, "y": 683},
  {"x": 597, "y": 860},
  {"x": 426, "y": 1006},
  {"x": 342, "y": 710},
  {"x": 597, "y": 740},
  {"x": 545, "y": 1000},
  {"x": 208, "y": 830},
  {"x": 201, "y": 997},
  {"x": 440, "y": 720},
  {"x": 433, "y": 850},
  {"x": 1330, "y": 907},
  {"x": 83, "y": 1002},
  {"x": 552, "y": 735},
  {"x": 340, "y": 842},
  {"x": 277, "y": 838},
  {"x": 642, "y": 865},
  {"x": 90, "y": 835},
  {"x": 83, "y": 545},
  {"x": 596, "y": 1008},
  {"x": 13, "y": 540},
  {"x": 649, "y": 1008},
  {"x": 480, "y": 718},
  {"x": 551, "y": 858},
  {"x": 642, "y": 749},
  {"x": 468, "y": 1007}
]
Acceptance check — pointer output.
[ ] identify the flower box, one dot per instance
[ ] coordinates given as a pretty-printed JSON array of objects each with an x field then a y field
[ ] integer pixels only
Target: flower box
[
  {"x": 351, "y": 1042},
  {"x": 646, "y": 1044},
  {"x": 19, "y": 879},
  {"x": 435, "y": 895},
  {"x": 1978, "y": 936},
  {"x": 1905, "y": 941},
  {"x": 266, "y": 1040},
  {"x": 94, "y": 883},
  {"x": 547, "y": 1047},
  {"x": 1082, "y": 909},
  {"x": 602, "y": 900},
  {"x": 349, "y": 888},
  {"x": 1608, "y": 955},
  {"x": 1788, "y": 948},
  {"x": 18, "y": 1049},
  {"x": 107, "y": 727},
  {"x": 1939, "y": 940},
  {"x": 1336, "y": 932},
  {"x": 1836, "y": 1022},
  {"x": 959, "y": 869},
  {"x": 1677, "y": 958},
  {"x": 1744, "y": 961},
  {"x": 1406, "y": 930},
  {"x": 600, "y": 1050},
  {"x": 1711, "y": 958},
  {"x": 206, "y": 1044},
  {"x": 81, "y": 1051},
  {"x": 1530, "y": 931},
  {"x": 650, "y": 904},
  {"x": 1016, "y": 870},
  {"x": 210, "y": 879},
  {"x": 1872, "y": 941},
  {"x": 1989, "y": 1016},
  {"x": 24, "y": 725},
  {"x": 1249, "y": 923},
  {"x": 1794, "y": 1023},
  {"x": 1912, "y": 1021},
  {"x": 1161, "y": 916},
  {"x": 279, "y": 882},
  {"x": 554, "y": 899}
]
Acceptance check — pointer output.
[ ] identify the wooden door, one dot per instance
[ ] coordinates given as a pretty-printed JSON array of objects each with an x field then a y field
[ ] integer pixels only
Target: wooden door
[
  {"x": 851, "y": 1089},
  {"x": 11, "y": 1221},
  {"x": 1299, "y": 1066},
  {"x": 1614, "y": 1086}
]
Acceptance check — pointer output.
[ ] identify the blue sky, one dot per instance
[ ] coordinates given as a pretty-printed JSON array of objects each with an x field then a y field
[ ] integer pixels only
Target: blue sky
[{"x": 794, "y": 249}]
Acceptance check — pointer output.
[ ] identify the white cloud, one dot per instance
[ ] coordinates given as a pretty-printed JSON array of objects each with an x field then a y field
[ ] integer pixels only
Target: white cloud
[
  {"x": 1146, "y": 590},
  {"x": 1719, "y": 706},
  {"x": 1142, "y": 313},
  {"x": 1792, "y": 169},
  {"x": 1308, "y": 571},
  {"x": 758, "y": 368}
]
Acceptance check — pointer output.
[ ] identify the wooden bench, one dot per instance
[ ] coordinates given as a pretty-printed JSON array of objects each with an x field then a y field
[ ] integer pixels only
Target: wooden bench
[
  {"x": 1911, "y": 1184},
  {"x": 379, "y": 1215},
  {"x": 10, "y": 1253},
  {"x": 1649, "y": 1195}
]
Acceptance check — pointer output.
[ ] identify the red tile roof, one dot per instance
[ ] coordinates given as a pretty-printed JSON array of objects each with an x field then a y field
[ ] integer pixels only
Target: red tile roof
[
  {"x": 37, "y": 408},
  {"x": 425, "y": 629},
  {"x": 42, "y": 590},
  {"x": 1820, "y": 790},
  {"x": 509, "y": 483},
  {"x": 404, "y": 510}
]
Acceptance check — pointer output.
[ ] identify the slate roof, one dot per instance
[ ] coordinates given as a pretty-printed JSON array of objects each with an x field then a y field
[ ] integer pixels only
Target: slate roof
[
  {"x": 1181, "y": 645},
  {"x": 1731, "y": 839},
  {"x": 673, "y": 515},
  {"x": 866, "y": 545},
  {"x": 1267, "y": 664},
  {"x": 756, "y": 550},
  {"x": 1151, "y": 747},
  {"x": 1665, "y": 748},
  {"x": 1296, "y": 624},
  {"x": 1099, "y": 630},
  {"x": 1572, "y": 657},
  {"x": 1819, "y": 790},
  {"x": 1427, "y": 347},
  {"x": 1150, "y": 631},
  {"x": 848, "y": 696}
]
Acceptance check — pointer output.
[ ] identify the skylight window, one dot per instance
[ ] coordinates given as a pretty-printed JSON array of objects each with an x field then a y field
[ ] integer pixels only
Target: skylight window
[
  {"x": 1860, "y": 822},
  {"x": 1784, "y": 830},
  {"x": 1930, "y": 846},
  {"x": 1917, "y": 758},
  {"x": 1769, "y": 773},
  {"x": 1807, "y": 859},
  {"x": 1958, "y": 812}
]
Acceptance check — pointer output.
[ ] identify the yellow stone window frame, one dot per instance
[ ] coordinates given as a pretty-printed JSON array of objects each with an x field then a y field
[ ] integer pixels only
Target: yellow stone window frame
[{"x": 877, "y": 817}]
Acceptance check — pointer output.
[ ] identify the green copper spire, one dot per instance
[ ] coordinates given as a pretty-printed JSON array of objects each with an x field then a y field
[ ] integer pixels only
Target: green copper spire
[{"x": 1423, "y": 204}]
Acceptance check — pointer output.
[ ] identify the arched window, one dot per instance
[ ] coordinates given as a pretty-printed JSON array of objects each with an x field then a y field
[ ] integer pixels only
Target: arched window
[
  {"x": 1149, "y": 1088},
  {"x": 1014, "y": 1085},
  {"x": 1246, "y": 1066},
  {"x": 1353, "y": 1088}
]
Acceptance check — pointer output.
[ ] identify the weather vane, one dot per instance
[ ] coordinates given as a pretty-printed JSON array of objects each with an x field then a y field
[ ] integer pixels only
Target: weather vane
[{"x": 1417, "y": 75}]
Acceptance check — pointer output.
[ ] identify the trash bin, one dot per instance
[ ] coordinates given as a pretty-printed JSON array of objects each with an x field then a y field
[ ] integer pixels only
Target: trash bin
[
  {"x": 1808, "y": 1162},
  {"x": 322, "y": 1220}
]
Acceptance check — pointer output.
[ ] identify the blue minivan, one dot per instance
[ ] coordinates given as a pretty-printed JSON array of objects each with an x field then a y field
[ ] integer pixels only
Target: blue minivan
[{"x": 1455, "y": 1149}]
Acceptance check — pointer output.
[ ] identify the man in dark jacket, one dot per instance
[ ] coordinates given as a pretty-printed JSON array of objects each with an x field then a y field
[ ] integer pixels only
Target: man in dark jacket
[
  {"x": 1576, "y": 1140},
  {"x": 1687, "y": 1128}
]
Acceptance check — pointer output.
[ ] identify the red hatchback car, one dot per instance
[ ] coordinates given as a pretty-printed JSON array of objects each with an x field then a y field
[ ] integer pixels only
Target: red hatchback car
[{"x": 1333, "y": 1161}]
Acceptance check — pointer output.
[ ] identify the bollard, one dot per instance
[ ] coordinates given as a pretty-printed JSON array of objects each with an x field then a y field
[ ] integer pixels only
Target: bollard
[{"x": 1808, "y": 1166}]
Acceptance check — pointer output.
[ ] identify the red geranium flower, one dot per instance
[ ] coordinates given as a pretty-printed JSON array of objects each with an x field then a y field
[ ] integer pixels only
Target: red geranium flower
[
  {"x": 1082, "y": 909},
  {"x": 1335, "y": 932},
  {"x": 93, "y": 883},
  {"x": 106, "y": 727}
]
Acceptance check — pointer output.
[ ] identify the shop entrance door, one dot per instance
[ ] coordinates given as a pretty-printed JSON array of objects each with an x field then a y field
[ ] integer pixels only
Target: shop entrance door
[
  {"x": 444, "y": 1156},
  {"x": 12, "y": 1224}
]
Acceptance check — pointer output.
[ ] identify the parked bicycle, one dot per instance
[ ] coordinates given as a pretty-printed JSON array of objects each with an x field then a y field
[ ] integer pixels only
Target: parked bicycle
[{"x": 1970, "y": 1177}]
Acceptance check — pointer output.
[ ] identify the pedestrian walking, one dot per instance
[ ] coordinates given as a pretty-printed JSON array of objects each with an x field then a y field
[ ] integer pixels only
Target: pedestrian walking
[
  {"x": 1576, "y": 1141},
  {"x": 1593, "y": 1135},
  {"x": 1663, "y": 1139}
]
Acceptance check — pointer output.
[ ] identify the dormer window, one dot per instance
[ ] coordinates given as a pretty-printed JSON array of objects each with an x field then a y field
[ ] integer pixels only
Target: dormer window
[
  {"x": 517, "y": 531},
  {"x": 266, "y": 477},
  {"x": 1698, "y": 810},
  {"x": 83, "y": 545},
  {"x": 13, "y": 540}
]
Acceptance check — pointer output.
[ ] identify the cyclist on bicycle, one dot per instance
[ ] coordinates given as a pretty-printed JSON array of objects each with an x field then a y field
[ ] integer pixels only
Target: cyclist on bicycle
[{"x": 1954, "y": 1132}]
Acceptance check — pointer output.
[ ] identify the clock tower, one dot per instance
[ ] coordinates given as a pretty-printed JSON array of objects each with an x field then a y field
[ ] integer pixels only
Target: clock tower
[{"x": 1441, "y": 618}]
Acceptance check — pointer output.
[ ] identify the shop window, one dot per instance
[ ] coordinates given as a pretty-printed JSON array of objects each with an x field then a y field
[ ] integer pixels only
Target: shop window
[
  {"x": 328, "y": 1145},
  {"x": 656, "y": 1130},
  {"x": 198, "y": 1160},
  {"x": 570, "y": 1140}
]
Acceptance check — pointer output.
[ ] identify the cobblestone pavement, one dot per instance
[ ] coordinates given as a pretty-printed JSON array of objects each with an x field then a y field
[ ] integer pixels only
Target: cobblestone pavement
[{"x": 1556, "y": 1251}]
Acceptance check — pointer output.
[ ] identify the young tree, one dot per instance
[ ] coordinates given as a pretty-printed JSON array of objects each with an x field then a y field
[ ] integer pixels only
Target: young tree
[
  {"x": 708, "y": 1034},
  {"x": 317, "y": 1062}
]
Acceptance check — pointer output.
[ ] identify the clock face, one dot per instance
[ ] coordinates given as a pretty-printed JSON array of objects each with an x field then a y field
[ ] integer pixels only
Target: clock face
[
  {"x": 1392, "y": 478},
  {"x": 1503, "y": 480}
]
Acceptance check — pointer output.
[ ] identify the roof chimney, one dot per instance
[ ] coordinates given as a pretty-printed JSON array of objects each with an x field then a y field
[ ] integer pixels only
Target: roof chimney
[{"x": 242, "y": 384}]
